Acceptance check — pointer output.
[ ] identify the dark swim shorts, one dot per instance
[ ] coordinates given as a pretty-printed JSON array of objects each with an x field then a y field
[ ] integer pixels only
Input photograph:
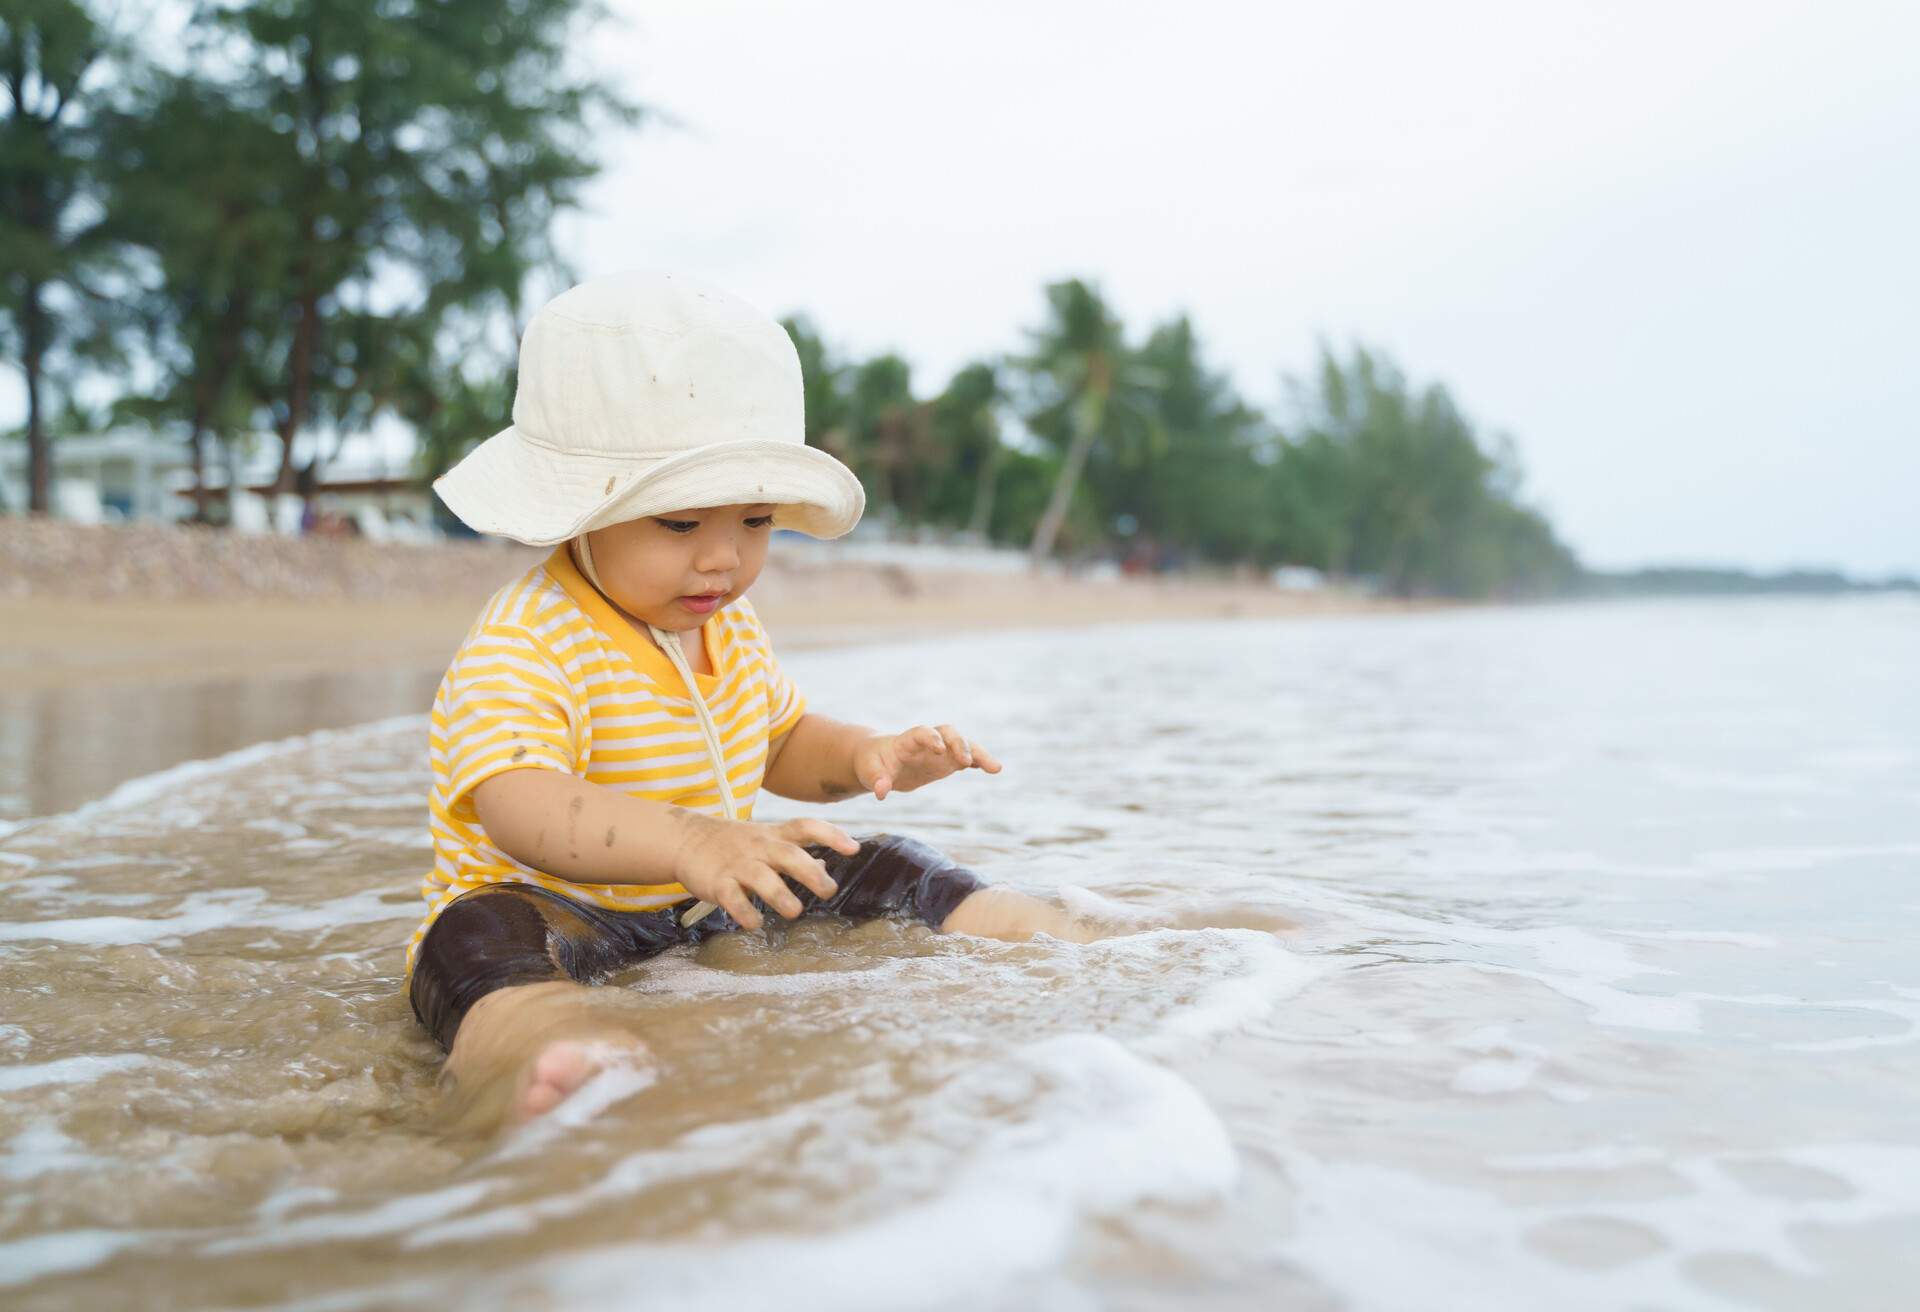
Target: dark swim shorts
[{"x": 506, "y": 934}]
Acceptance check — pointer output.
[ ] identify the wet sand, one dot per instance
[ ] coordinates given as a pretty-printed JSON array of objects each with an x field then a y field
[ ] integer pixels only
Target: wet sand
[{"x": 97, "y": 691}]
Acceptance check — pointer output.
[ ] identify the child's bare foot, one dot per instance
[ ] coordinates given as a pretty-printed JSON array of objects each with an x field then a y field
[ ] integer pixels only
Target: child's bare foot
[
  {"x": 560, "y": 1068},
  {"x": 523, "y": 1051}
]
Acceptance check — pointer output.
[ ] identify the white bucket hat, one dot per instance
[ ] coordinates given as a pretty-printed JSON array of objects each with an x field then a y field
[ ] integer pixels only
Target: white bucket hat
[{"x": 641, "y": 393}]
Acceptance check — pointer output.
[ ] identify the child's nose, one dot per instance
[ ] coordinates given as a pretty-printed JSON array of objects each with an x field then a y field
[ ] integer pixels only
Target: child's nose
[{"x": 719, "y": 556}]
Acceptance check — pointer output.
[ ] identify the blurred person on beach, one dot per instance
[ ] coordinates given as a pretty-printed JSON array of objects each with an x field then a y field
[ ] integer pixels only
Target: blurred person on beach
[{"x": 599, "y": 738}]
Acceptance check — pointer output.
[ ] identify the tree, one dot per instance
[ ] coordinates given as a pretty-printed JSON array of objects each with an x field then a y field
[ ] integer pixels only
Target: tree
[
  {"x": 1381, "y": 481},
  {"x": 192, "y": 179},
  {"x": 1198, "y": 484},
  {"x": 426, "y": 145},
  {"x": 823, "y": 379},
  {"x": 51, "y": 242},
  {"x": 891, "y": 434},
  {"x": 453, "y": 399},
  {"x": 966, "y": 428},
  {"x": 1023, "y": 486},
  {"x": 1087, "y": 388}
]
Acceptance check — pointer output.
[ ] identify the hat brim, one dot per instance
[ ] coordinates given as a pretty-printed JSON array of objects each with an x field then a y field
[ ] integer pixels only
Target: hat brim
[{"x": 527, "y": 491}]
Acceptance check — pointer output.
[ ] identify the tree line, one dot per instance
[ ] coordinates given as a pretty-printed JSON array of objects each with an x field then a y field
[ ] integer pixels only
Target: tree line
[
  {"x": 297, "y": 216},
  {"x": 1089, "y": 441},
  {"x": 289, "y": 215}
]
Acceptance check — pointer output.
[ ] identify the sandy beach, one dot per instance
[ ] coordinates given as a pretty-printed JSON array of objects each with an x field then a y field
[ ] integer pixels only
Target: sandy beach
[
  {"x": 93, "y": 607},
  {"x": 129, "y": 649},
  {"x": 56, "y": 642}
]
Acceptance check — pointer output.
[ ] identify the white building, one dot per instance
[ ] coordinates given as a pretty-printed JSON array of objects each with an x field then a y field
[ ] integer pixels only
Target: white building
[
  {"x": 130, "y": 474},
  {"x": 109, "y": 476}
]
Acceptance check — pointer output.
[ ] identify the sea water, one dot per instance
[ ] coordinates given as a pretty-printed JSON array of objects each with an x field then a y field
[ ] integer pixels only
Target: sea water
[{"x": 1557, "y": 957}]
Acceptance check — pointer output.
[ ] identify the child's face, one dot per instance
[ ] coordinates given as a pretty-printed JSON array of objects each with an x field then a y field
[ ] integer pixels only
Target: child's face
[{"x": 664, "y": 569}]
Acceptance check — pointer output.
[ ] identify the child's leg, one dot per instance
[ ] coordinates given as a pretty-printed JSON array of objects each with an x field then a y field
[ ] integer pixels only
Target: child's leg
[
  {"x": 499, "y": 982},
  {"x": 895, "y": 874},
  {"x": 522, "y": 1050},
  {"x": 1004, "y": 914}
]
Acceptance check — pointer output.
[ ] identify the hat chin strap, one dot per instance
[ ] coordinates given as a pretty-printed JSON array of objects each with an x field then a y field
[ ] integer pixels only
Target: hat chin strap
[{"x": 669, "y": 644}]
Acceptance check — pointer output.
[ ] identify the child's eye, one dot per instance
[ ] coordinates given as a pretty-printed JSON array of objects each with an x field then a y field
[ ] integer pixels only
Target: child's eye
[
  {"x": 678, "y": 525},
  {"x": 759, "y": 521}
]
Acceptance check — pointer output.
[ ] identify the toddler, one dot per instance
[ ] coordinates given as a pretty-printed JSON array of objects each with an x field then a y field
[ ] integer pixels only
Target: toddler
[{"x": 602, "y": 732}]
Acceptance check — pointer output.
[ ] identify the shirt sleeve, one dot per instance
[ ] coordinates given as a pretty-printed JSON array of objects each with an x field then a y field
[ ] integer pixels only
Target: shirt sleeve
[
  {"x": 509, "y": 706},
  {"x": 785, "y": 702}
]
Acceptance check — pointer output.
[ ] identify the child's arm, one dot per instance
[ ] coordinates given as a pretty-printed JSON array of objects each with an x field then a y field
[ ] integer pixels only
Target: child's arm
[
  {"x": 813, "y": 761},
  {"x": 823, "y": 760},
  {"x": 578, "y": 831}
]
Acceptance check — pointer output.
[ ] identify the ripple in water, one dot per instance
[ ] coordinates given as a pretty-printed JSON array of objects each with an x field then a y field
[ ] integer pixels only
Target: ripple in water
[{"x": 1593, "y": 988}]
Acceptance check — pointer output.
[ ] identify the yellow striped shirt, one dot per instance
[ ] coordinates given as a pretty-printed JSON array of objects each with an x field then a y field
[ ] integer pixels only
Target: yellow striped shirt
[{"x": 552, "y": 677}]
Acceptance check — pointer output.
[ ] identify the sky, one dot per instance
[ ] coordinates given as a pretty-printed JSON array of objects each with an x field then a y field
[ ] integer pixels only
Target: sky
[{"x": 1669, "y": 248}]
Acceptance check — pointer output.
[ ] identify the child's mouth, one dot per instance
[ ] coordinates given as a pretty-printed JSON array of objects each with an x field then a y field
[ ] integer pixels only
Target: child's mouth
[{"x": 703, "y": 603}]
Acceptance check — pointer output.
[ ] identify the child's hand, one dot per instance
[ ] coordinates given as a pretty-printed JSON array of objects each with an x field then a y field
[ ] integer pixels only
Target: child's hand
[
  {"x": 902, "y": 762},
  {"x": 722, "y": 861}
]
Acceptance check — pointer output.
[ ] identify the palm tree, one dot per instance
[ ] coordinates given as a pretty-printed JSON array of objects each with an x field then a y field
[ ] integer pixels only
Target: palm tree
[
  {"x": 966, "y": 424},
  {"x": 1089, "y": 389},
  {"x": 1200, "y": 483},
  {"x": 823, "y": 392},
  {"x": 890, "y": 431}
]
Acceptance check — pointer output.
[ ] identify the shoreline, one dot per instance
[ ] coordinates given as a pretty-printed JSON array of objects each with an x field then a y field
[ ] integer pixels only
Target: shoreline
[
  {"x": 251, "y": 646},
  {"x": 62, "y": 644},
  {"x": 159, "y": 605},
  {"x": 95, "y": 693}
]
